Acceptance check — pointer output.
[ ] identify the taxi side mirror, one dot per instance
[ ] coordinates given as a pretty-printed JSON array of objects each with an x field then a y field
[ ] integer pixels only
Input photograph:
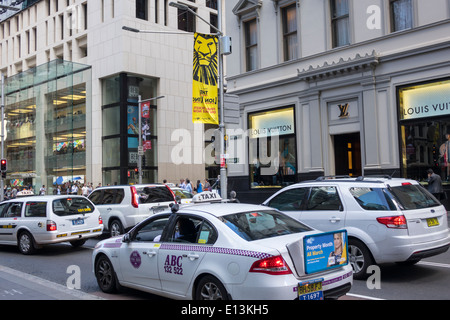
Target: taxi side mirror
[{"x": 126, "y": 238}]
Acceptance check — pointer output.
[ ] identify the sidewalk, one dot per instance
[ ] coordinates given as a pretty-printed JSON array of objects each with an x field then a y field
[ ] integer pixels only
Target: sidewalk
[{"x": 16, "y": 285}]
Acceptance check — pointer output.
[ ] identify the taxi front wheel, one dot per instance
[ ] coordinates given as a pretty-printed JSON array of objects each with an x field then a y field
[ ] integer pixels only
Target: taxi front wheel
[
  {"x": 210, "y": 288},
  {"x": 106, "y": 277}
]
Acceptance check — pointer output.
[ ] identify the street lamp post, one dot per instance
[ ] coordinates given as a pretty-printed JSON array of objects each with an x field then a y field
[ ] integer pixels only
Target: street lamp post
[
  {"x": 140, "y": 148},
  {"x": 222, "y": 158},
  {"x": 221, "y": 50},
  {"x": 2, "y": 193}
]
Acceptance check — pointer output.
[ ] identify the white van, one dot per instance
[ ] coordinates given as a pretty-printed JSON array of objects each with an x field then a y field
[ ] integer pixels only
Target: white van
[
  {"x": 32, "y": 222},
  {"x": 122, "y": 207}
]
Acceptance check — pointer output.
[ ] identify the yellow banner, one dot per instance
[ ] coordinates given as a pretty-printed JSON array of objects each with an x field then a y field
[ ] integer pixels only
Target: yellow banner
[{"x": 205, "y": 79}]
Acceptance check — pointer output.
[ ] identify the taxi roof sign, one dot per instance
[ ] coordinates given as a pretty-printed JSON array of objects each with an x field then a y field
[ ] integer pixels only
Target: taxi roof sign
[{"x": 206, "y": 196}]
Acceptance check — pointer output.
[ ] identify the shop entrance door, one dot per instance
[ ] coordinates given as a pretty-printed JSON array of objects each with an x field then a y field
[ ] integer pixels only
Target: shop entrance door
[{"x": 347, "y": 154}]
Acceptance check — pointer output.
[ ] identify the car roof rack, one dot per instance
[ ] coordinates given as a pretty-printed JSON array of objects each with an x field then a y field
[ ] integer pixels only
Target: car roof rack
[
  {"x": 322, "y": 178},
  {"x": 385, "y": 176}
]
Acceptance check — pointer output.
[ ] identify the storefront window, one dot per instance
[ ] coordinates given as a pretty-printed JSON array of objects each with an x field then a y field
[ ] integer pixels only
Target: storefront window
[
  {"x": 111, "y": 152},
  {"x": 121, "y": 129},
  {"x": 425, "y": 130},
  {"x": 45, "y": 115},
  {"x": 111, "y": 121},
  {"x": 272, "y": 148},
  {"x": 111, "y": 90}
]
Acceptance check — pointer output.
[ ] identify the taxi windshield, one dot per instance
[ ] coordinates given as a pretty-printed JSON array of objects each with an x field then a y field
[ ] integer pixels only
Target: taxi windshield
[{"x": 256, "y": 225}]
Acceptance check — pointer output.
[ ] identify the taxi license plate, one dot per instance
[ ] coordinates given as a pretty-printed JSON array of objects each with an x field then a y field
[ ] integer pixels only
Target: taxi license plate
[
  {"x": 77, "y": 222},
  {"x": 431, "y": 222},
  {"x": 310, "y": 290}
]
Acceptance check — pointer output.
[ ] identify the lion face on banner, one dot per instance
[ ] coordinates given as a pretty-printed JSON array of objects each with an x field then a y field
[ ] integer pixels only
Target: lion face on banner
[{"x": 205, "y": 59}]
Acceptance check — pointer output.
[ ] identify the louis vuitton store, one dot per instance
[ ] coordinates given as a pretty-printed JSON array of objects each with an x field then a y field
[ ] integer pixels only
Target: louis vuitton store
[
  {"x": 424, "y": 129},
  {"x": 356, "y": 117}
]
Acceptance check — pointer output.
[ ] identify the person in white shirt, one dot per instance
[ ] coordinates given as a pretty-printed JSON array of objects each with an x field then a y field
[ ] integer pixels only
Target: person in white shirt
[
  {"x": 74, "y": 189},
  {"x": 85, "y": 190}
]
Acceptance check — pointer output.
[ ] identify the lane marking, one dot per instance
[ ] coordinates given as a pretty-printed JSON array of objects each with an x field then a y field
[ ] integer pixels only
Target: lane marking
[
  {"x": 434, "y": 264},
  {"x": 363, "y": 297}
]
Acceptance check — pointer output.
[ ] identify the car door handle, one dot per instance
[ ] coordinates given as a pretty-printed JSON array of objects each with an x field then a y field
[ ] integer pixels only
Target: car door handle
[
  {"x": 335, "y": 219},
  {"x": 193, "y": 256},
  {"x": 150, "y": 253}
]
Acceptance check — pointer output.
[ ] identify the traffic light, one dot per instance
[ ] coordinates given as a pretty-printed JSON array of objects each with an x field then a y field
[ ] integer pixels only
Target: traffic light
[
  {"x": 3, "y": 165},
  {"x": 136, "y": 170}
]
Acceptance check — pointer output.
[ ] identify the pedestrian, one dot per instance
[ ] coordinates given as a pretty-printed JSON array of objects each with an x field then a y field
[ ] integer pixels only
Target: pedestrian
[
  {"x": 182, "y": 184},
  {"x": 216, "y": 185},
  {"x": 199, "y": 187},
  {"x": 85, "y": 190},
  {"x": 189, "y": 186},
  {"x": 435, "y": 184},
  {"x": 14, "y": 193},
  {"x": 42, "y": 190},
  {"x": 206, "y": 185},
  {"x": 74, "y": 189}
]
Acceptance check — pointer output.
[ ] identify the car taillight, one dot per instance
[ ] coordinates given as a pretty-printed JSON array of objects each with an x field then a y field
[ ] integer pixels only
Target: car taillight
[
  {"x": 100, "y": 220},
  {"x": 134, "y": 197},
  {"x": 395, "y": 222},
  {"x": 173, "y": 194},
  {"x": 273, "y": 265},
  {"x": 51, "y": 225}
]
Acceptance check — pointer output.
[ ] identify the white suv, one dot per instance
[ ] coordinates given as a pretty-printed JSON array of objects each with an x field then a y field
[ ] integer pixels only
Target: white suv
[
  {"x": 122, "y": 207},
  {"x": 32, "y": 222},
  {"x": 387, "y": 219}
]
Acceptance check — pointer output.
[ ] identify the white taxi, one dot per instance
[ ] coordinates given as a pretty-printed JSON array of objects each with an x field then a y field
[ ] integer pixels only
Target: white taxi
[
  {"x": 32, "y": 222},
  {"x": 225, "y": 251}
]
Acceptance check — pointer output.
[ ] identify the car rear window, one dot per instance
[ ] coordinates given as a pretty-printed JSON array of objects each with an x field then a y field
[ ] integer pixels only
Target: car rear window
[
  {"x": 153, "y": 194},
  {"x": 412, "y": 197},
  {"x": 72, "y": 206},
  {"x": 256, "y": 225}
]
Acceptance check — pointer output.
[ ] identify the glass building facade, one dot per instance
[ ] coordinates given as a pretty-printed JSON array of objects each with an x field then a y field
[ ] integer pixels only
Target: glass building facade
[{"x": 46, "y": 125}]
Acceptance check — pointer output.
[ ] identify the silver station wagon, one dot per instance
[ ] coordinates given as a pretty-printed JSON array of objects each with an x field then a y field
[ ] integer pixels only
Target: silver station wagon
[
  {"x": 387, "y": 219},
  {"x": 35, "y": 221}
]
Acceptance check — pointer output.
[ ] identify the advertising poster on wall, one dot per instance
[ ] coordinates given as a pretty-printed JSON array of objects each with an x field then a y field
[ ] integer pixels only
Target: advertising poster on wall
[{"x": 325, "y": 251}]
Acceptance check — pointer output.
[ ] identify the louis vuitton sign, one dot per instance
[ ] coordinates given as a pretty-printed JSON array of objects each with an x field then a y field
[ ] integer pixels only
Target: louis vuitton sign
[
  {"x": 339, "y": 111},
  {"x": 425, "y": 100}
]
